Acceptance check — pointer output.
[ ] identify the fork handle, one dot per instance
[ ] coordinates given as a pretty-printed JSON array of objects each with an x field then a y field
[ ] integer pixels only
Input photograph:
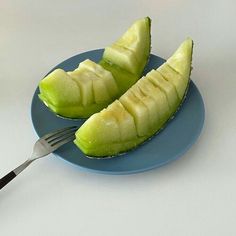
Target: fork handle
[
  {"x": 11, "y": 175},
  {"x": 7, "y": 178}
]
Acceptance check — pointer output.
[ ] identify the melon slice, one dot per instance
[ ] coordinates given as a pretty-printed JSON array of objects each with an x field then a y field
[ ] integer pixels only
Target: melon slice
[
  {"x": 96, "y": 85},
  {"x": 57, "y": 85},
  {"x": 151, "y": 102}
]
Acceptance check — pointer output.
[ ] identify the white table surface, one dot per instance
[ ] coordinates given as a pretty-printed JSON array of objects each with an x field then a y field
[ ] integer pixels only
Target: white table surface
[{"x": 195, "y": 195}]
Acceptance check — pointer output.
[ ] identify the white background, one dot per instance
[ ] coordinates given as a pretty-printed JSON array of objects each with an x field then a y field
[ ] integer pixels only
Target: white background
[{"x": 195, "y": 195}]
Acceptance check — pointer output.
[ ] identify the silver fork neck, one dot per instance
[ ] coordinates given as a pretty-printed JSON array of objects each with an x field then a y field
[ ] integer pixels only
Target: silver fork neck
[{"x": 20, "y": 168}]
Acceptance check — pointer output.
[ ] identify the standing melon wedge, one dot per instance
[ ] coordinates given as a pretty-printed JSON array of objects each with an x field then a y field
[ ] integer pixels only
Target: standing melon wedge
[
  {"x": 130, "y": 52},
  {"x": 147, "y": 106},
  {"x": 97, "y": 85}
]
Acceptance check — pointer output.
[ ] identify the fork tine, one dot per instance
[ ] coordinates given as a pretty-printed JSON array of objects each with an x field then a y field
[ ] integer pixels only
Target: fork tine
[
  {"x": 59, "y": 131},
  {"x": 61, "y": 138},
  {"x": 59, "y": 135},
  {"x": 62, "y": 142}
]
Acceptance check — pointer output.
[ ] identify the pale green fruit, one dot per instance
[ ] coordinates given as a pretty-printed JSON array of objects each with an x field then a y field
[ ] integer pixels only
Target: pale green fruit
[
  {"x": 97, "y": 85},
  {"x": 151, "y": 102}
]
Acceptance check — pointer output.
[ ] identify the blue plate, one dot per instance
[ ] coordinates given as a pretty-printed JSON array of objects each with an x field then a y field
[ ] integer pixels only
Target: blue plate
[{"x": 171, "y": 143}]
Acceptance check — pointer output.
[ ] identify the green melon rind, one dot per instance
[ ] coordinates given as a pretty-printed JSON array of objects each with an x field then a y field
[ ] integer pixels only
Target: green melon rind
[
  {"x": 149, "y": 21},
  {"x": 150, "y": 45},
  {"x": 109, "y": 152},
  {"x": 72, "y": 112}
]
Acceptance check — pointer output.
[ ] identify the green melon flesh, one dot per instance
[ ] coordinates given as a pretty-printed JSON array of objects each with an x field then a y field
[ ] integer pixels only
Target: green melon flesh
[
  {"x": 174, "y": 78},
  {"x": 55, "y": 87},
  {"x": 97, "y": 85},
  {"x": 181, "y": 60},
  {"x": 108, "y": 80},
  {"x": 98, "y": 129},
  {"x": 138, "y": 110},
  {"x": 125, "y": 121},
  {"x": 166, "y": 87},
  {"x": 123, "y": 78},
  {"x": 150, "y": 104},
  {"x": 141, "y": 112},
  {"x": 162, "y": 107},
  {"x": 124, "y": 58},
  {"x": 130, "y": 52},
  {"x": 84, "y": 80}
]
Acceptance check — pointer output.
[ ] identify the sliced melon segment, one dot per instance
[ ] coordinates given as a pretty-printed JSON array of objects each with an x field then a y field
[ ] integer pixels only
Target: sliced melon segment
[
  {"x": 98, "y": 129},
  {"x": 130, "y": 52},
  {"x": 125, "y": 121},
  {"x": 117, "y": 119},
  {"x": 182, "y": 58},
  {"x": 125, "y": 58},
  {"x": 123, "y": 78},
  {"x": 151, "y": 105},
  {"x": 100, "y": 91},
  {"x": 84, "y": 80},
  {"x": 134, "y": 37},
  {"x": 58, "y": 85},
  {"x": 150, "y": 102},
  {"x": 173, "y": 77},
  {"x": 138, "y": 110},
  {"x": 119, "y": 68},
  {"x": 90, "y": 65},
  {"x": 111, "y": 86},
  {"x": 165, "y": 86},
  {"x": 163, "y": 109},
  {"x": 105, "y": 77}
]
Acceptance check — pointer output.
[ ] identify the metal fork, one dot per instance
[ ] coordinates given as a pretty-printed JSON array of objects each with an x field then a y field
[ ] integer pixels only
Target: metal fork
[{"x": 44, "y": 146}]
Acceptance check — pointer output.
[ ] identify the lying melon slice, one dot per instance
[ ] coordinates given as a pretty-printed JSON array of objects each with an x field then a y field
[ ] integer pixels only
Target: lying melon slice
[
  {"x": 83, "y": 79},
  {"x": 151, "y": 102},
  {"x": 97, "y": 85}
]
